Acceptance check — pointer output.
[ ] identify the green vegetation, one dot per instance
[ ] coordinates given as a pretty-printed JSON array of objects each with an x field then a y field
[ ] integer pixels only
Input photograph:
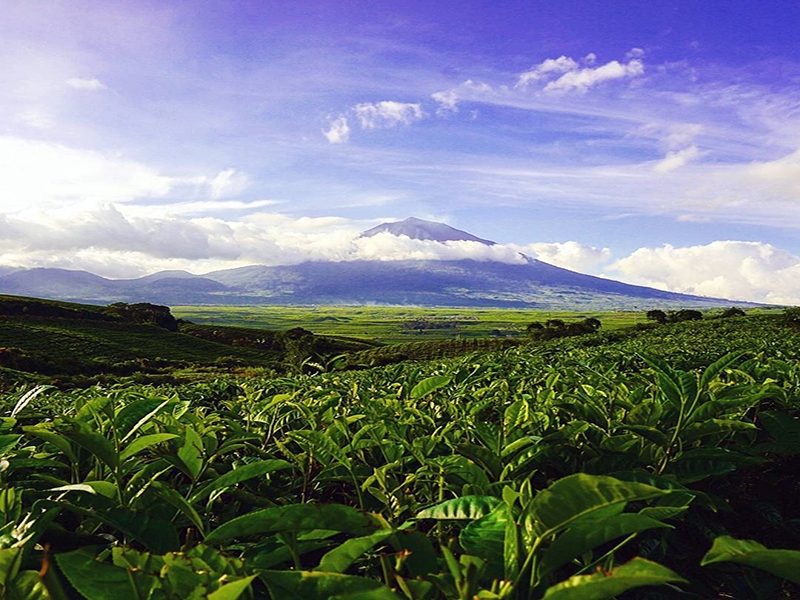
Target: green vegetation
[
  {"x": 389, "y": 324},
  {"x": 658, "y": 462},
  {"x": 78, "y": 344}
]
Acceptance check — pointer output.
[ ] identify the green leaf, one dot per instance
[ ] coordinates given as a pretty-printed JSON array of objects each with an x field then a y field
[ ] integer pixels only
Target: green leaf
[
  {"x": 7, "y": 442},
  {"x": 580, "y": 494},
  {"x": 98, "y": 445},
  {"x": 294, "y": 517},
  {"x": 423, "y": 558},
  {"x": 144, "y": 442},
  {"x": 646, "y": 413},
  {"x": 191, "y": 453},
  {"x": 784, "y": 428},
  {"x": 714, "y": 427},
  {"x": 713, "y": 370},
  {"x": 240, "y": 474},
  {"x": 316, "y": 585},
  {"x": 428, "y": 386},
  {"x": 135, "y": 415},
  {"x": 783, "y": 563},
  {"x": 466, "y": 507},
  {"x": 172, "y": 497},
  {"x": 28, "y": 585},
  {"x": 483, "y": 457},
  {"x": 95, "y": 580},
  {"x": 10, "y": 562},
  {"x": 340, "y": 558},
  {"x": 232, "y": 590},
  {"x": 651, "y": 434},
  {"x": 59, "y": 441},
  {"x": 323, "y": 447},
  {"x": 583, "y": 537},
  {"x": 485, "y": 537},
  {"x": 636, "y": 573}
]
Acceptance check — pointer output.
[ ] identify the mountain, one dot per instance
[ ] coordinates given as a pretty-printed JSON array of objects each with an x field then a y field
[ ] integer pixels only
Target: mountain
[
  {"x": 531, "y": 284},
  {"x": 419, "y": 229}
]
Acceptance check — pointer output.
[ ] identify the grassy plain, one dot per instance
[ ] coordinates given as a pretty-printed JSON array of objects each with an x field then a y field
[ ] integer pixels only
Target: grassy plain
[{"x": 385, "y": 323}]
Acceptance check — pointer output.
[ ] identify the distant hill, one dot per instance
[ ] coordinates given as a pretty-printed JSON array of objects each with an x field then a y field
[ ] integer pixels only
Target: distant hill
[
  {"x": 532, "y": 283},
  {"x": 68, "y": 340}
]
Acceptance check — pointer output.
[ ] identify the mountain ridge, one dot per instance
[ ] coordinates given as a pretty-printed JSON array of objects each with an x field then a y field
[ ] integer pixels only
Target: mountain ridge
[{"x": 534, "y": 284}]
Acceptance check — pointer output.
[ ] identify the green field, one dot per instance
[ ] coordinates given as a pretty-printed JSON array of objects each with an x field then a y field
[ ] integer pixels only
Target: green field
[
  {"x": 639, "y": 464},
  {"x": 385, "y": 324}
]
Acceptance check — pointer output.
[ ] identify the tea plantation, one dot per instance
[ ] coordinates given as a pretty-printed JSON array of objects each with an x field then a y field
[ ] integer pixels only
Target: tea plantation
[{"x": 657, "y": 463}]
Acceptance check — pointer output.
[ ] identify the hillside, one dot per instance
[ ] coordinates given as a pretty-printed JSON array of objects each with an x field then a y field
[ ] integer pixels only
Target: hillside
[
  {"x": 530, "y": 283},
  {"x": 67, "y": 339}
]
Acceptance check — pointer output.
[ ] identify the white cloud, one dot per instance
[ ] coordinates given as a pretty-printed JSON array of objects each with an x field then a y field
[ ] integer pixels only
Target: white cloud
[
  {"x": 126, "y": 241},
  {"x": 564, "y": 73},
  {"x": 551, "y": 66},
  {"x": 89, "y": 84},
  {"x": 569, "y": 255},
  {"x": 338, "y": 132},
  {"x": 675, "y": 160},
  {"x": 737, "y": 270},
  {"x": 229, "y": 182},
  {"x": 582, "y": 79},
  {"x": 778, "y": 177},
  {"x": 38, "y": 119},
  {"x": 448, "y": 99},
  {"x": 35, "y": 172},
  {"x": 387, "y": 114}
]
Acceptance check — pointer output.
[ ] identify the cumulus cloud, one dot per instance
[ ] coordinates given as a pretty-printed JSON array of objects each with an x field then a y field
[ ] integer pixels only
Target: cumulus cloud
[
  {"x": 387, "y": 114},
  {"x": 338, "y": 132},
  {"x": 564, "y": 74},
  {"x": 551, "y": 66},
  {"x": 570, "y": 255},
  {"x": 582, "y": 79},
  {"x": 675, "y": 160},
  {"x": 448, "y": 99},
  {"x": 738, "y": 270},
  {"x": 89, "y": 84}
]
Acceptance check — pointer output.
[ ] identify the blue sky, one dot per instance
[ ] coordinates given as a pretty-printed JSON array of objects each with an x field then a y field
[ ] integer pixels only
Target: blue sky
[{"x": 659, "y": 140}]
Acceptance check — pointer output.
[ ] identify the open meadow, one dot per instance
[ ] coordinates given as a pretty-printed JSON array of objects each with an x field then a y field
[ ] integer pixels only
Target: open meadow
[{"x": 391, "y": 324}]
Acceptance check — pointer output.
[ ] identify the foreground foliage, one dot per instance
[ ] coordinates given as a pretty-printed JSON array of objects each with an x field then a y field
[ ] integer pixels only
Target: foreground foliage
[{"x": 656, "y": 464}]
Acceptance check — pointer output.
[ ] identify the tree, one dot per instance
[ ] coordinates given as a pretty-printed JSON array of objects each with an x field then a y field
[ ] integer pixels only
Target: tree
[
  {"x": 686, "y": 314},
  {"x": 593, "y": 324},
  {"x": 535, "y": 326},
  {"x": 659, "y": 316},
  {"x": 733, "y": 311}
]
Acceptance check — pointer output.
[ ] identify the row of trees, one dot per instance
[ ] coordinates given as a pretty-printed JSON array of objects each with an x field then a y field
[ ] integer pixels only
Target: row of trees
[
  {"x": 687, "y": 314},
  {"x": 556, "y": 328}
]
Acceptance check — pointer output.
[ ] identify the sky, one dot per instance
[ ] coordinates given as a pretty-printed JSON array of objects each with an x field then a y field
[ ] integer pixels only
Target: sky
[{"x": 656, "y": 143}]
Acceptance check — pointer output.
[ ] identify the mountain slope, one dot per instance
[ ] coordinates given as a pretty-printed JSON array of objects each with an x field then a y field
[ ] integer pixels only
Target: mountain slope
[
  {"x": 446, "y": 283},
  {"x": 419, "y": 229}
]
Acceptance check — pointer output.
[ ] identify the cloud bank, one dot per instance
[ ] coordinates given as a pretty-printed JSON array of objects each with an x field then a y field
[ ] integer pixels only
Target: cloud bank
[{"x": 726, "y": 269}]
